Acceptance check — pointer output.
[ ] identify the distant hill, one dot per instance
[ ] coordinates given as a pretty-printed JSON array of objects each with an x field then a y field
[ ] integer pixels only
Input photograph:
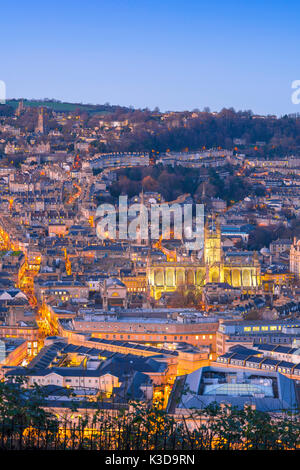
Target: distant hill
[
  {"x": 60, "y": 106},
  {"x": 152, "y": 131}
]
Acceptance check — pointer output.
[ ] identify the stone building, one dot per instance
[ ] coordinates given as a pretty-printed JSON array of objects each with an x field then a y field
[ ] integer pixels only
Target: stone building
[{"x": 237, "y": 271}]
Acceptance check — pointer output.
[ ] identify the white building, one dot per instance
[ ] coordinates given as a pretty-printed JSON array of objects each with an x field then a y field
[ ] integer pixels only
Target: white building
[{"x": 295, "y": 258}]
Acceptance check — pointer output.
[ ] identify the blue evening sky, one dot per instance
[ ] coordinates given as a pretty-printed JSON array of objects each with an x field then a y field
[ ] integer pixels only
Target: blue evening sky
[{"x": 174, "y": 54}]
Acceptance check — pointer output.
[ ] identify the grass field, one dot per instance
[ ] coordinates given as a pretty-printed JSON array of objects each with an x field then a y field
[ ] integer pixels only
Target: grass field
[{"x": 62, "y": 106}]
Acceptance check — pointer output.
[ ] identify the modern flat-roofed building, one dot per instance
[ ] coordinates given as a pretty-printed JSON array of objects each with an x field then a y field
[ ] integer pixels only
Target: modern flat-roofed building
[{"x": 263, "y": 390}]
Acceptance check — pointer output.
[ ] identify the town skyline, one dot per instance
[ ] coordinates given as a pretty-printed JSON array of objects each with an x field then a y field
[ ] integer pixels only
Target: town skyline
[
  {"x": 148, "y": 258},
  {"x": 155, "y": 108},
  {"x": 149, "y": 228}
]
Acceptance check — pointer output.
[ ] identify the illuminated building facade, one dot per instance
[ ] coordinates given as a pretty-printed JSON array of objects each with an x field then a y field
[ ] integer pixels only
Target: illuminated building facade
[
  {"x": 231, "y": 332},
  {"x": 137, "y": 283},
  {"x": 295, "y": 258},
  {"x": 168, "y": 276}
]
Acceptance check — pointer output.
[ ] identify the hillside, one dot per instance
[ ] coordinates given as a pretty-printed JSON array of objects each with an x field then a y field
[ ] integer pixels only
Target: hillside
[{"x": 60, "y": 106}]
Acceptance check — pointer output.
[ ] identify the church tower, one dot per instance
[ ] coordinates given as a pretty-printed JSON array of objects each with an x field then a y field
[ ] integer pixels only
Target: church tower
[
  {"x": 212, "y": 243},
  {"x": 40, "y": 124},
  {"x": 213, "y": 252},
  {"x": 20, "y": 108}
]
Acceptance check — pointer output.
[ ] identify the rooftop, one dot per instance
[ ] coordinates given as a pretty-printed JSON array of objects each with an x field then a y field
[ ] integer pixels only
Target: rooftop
[{"x": 268, "y": 391}]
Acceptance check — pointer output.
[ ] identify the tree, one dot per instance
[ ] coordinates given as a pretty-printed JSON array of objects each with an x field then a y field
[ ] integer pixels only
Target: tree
[
  {"x": 185, "y": 297},
  {"x": 22, "y": 408}
]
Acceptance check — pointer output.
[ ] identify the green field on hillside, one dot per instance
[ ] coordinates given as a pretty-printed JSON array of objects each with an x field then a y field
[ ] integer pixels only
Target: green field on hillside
[{"x": 62, "y": 106}]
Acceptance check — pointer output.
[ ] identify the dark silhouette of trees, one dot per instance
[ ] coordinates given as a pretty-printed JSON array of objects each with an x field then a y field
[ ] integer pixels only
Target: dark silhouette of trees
[
  {"x": 172, "y": 182},
  {"x": 24, "y": 424}
]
